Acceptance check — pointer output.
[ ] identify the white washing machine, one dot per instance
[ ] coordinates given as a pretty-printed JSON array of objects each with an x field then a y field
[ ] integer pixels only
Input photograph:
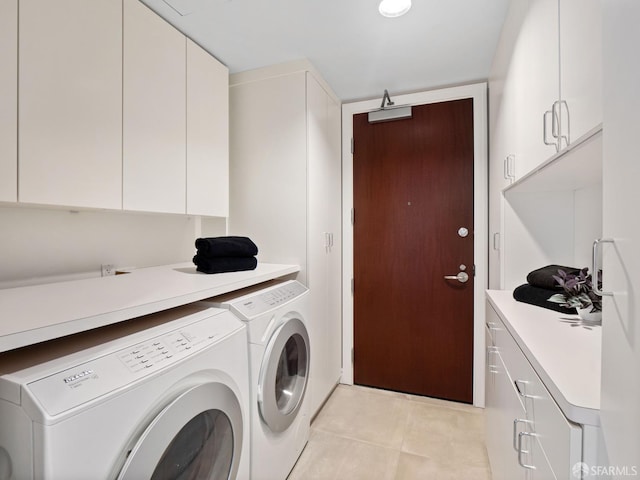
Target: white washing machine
[
  {"x": 161, "y": 397},
  {"x": 279, "y": 361}
]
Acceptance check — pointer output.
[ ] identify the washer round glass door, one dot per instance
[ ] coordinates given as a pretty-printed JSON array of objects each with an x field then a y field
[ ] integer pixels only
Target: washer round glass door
[
  {"x": 284, "y": 375},
  {"x": 197, "y": 436}
]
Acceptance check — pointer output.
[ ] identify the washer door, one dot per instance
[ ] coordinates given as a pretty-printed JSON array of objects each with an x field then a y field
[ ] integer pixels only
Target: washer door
[
  {"x": 197, "y": 436},
  {"x": 284, "y": 375}
]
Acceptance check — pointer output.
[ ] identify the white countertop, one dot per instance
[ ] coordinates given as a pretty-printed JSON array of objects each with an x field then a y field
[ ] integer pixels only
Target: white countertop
[
  {"x": 566, "y": 358},
  {"x": 37, "y": 313}
]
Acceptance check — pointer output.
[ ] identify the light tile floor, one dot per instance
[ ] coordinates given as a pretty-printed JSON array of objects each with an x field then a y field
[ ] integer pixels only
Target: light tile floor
[{"x": 365, "y": 433}]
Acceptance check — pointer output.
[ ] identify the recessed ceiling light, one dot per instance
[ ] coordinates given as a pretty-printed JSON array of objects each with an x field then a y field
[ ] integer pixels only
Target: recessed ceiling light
[{"x": 394, "y": 8}]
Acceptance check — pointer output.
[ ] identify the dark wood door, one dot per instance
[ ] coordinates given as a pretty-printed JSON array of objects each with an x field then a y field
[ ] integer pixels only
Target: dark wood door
[{"x": 413, "y": 191}]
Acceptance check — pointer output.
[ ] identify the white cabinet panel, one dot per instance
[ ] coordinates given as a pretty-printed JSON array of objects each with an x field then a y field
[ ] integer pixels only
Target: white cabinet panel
[
  {"x": 9, "y": 100},
  {"x": 540, "y": 86},
  {"x": 620, "y": 417},
  {"x": 504, "y": 123},
  {"x": 519, "y": 393},
  {"x": 580, "y": 65},
  {"x": 70, "y": 102},
  {"x": 154, "y": 113},
  {"x": 324, "y": 257},
  {"x": 207, "y": 134}
]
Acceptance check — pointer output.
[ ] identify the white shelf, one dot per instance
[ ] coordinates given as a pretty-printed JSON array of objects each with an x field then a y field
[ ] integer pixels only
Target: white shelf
[
  {"x": 566, "y": 358},
  {"x": 577, "y": 166},
  {"x": 43, "y": 312}
]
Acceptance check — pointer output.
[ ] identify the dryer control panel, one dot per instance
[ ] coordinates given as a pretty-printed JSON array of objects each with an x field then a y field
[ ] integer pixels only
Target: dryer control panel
[{"x": 269, "y": 299}]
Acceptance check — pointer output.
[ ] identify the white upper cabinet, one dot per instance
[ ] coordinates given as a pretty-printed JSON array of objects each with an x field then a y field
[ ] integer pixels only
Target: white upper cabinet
[
  {"x": 556, "y": 71},
  {"x": 538, "y": 85},
  {"x": 70, "y": 102},
  {"x": 580, "y": 66},
  {"x": 207, "y": 134},
  {"x": 154, "y": 113},
  {"x": 9, "y": 100}
]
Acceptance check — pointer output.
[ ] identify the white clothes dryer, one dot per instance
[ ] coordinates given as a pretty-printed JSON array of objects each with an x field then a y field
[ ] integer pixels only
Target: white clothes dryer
[
  {"x": 160, "y": 397},
  {"x": 279, "y": 361}
]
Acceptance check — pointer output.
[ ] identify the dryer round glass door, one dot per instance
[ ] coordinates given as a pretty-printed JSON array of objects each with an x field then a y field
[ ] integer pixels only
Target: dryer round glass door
[
  {"x": 198, "y": 435},
  {"x": 284, "y": 375}
]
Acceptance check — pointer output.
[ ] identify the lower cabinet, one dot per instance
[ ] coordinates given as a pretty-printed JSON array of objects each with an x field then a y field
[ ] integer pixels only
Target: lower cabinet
[{"x": 528, "y": 436}]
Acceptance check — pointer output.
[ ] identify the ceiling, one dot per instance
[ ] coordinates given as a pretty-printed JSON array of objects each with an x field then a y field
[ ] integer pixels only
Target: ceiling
[{"x": 357, "y": 51}]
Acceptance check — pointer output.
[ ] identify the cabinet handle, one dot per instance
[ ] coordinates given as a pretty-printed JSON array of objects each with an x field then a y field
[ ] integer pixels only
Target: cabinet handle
[
  {"x": 523, "y": 389},
  {"x": 594, "y": 265},
  {"x": 544, "y": 129},
  {"x": 567, "y": 124},
  {"x": 509, "y": 168},
  {"x": 493, "y": 368},
  {"x": 520, "y": 451},
  {"x": 515, "y": 430}
]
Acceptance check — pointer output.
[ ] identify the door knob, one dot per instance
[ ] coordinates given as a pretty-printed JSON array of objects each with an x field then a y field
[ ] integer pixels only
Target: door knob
[{"x": 462, "y": 277}]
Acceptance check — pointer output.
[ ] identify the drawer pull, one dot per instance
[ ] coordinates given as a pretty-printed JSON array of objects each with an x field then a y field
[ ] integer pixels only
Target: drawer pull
[
  {"x": 515, "y": 430},
  {"x": 520, "y": 451},
  {"x": 521, "y": 391}
]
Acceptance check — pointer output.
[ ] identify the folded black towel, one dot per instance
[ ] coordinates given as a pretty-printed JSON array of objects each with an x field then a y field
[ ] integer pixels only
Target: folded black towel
[
  {"x": 224, "y": 264},
  {"x": 543, "y": 277},
  {"x": 540, "y": 297},
  {"x": 226, "y": 247}
]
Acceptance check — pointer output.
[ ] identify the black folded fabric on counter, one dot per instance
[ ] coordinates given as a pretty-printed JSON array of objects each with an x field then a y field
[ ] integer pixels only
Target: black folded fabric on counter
[
  {"x": 226, "y": 247},
  {"x": 543, "y": 277},
  {"x": 540, "y": 297},
  {"x": 224, "y": 264}
]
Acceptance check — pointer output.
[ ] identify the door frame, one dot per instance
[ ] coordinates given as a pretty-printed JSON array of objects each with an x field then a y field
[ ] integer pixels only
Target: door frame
[{"x": 478, "y": 92}]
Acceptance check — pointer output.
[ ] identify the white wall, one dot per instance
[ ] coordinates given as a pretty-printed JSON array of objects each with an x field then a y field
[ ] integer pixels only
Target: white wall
[
  {"x": 38, "y": 245},
  {"x": 550, "y": 227}
]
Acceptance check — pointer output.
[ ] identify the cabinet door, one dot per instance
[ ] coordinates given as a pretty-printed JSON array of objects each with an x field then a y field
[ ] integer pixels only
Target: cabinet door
[
  {"x": 581, "y": 66},
  {"x": 70, "y": 102},
  {"x": 334, "y": 268},
  {"x": 9, "y": 101},
  {"x": 207, "y": 134},
  {"x": 620, "y": 415},
  {"x": 540, "y": 85},
  {"x": 319, "y": 240},
  {"x": 507, "y": 74},
  {"x": 154, "y": 116}
]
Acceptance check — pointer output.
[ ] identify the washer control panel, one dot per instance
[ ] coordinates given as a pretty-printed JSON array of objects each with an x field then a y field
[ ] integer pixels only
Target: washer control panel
[
  {"x": 259, "y": 303},
  {"x": 115, "y": 368}
]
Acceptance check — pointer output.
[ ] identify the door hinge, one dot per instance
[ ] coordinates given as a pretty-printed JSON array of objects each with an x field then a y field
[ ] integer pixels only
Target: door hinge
[
  {"x": 352, "y": 286},
  {"x": 352, "y": 357},
  {"x": 353, "y": 216},
  {"x": 353, "y": 145}
]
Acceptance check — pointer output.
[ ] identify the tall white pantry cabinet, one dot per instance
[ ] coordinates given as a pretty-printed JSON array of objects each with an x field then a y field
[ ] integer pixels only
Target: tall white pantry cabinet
[
  {"x": 285, "y": 193},
  {"x": 620, "y": 399}
]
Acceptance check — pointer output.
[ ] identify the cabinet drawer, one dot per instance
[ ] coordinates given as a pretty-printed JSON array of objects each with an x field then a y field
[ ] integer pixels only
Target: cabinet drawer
[{"x": 560, "y": 439}]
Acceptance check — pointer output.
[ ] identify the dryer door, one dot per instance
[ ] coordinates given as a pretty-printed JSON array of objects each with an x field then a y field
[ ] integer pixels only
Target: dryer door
[
  {"x": 198, "y": 435},
  {"x": 284, "y": 375}
]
